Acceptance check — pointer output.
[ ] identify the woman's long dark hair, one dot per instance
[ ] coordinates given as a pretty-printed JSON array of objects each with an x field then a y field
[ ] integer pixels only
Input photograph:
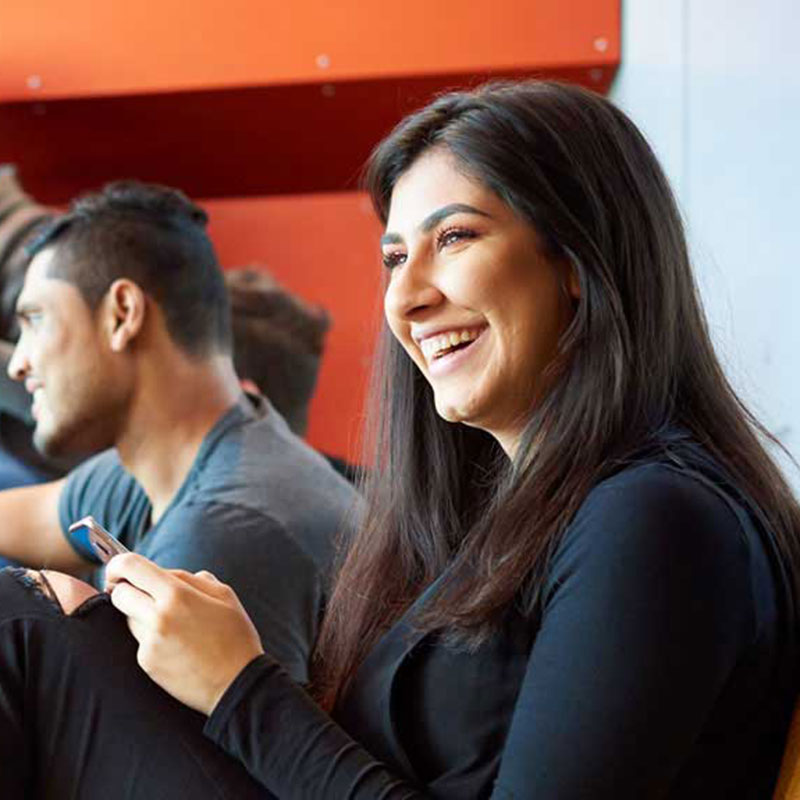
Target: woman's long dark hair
[{"x": 636, "y": 359}]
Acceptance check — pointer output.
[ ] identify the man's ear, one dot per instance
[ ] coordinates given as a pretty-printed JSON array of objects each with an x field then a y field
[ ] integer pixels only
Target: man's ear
[
  {"x": 249, "y": 385},
  {"x": 125, "y": 309}
]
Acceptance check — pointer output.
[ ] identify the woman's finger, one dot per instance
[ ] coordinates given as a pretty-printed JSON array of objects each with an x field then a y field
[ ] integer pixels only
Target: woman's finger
[
  {"x": 204, "y": 582},
  {"x": 139, "y": 571},
  {"x": 139, "y": 631},
  {"x": 133, "y": 603}
]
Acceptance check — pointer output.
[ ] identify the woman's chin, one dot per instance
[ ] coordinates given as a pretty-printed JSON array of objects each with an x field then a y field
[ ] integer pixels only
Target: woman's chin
[{"x": 454, "y": 411}]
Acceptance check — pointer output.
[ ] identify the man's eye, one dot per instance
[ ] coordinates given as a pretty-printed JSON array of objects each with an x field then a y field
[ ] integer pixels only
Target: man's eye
[
  {"x": 393, "y": 259},
  {"x": 450, "y": 236}
]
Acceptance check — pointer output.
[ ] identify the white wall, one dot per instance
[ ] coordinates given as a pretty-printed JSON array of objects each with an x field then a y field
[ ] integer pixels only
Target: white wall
[{"x": 715, "y": 86}]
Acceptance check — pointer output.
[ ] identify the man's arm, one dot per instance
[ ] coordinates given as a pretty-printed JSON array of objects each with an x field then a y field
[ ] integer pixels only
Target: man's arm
[{"x": 31, "y": 530}]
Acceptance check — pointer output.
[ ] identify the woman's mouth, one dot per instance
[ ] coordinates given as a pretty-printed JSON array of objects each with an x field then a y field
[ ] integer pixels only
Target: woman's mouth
[
  {"x": 449, "y": 348},
  {"x": 435, "y": 347}
]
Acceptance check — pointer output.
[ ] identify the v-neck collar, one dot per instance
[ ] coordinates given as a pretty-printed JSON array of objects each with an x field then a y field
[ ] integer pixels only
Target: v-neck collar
[{"x": 247, "y": 407}]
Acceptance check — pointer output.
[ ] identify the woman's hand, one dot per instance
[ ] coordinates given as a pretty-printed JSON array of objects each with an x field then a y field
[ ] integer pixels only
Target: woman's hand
[{"x": 194, "y": 636}]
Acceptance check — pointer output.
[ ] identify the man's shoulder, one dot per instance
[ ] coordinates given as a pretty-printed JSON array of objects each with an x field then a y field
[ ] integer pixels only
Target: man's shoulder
[
  {"x": 202, "y": 524},
  {"x": 266, "y": 472},
  {"x": 261, "y": 463},
  {"x": 103, "y": 475}
]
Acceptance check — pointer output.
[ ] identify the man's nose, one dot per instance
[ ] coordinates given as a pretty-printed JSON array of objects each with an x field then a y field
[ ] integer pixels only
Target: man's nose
[{"x": 18, "y": 364}]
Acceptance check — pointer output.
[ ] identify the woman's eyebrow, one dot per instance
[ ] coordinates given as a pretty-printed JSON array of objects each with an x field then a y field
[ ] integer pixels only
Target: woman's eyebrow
[
  {"x": 391, "y": 238},
  {"x": 433, "y": 219}
]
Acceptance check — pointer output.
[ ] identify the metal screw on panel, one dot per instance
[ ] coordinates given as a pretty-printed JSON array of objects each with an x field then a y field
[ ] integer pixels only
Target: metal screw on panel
[
  {"x": 39, "y": 109},
  {"x": 323, "y": 61},
  {"x": 328, "y": 90},
  {"x": 34, "y": 82},
  {"x": 601, "y": 44},
  {"x": 596, "y": 75}
]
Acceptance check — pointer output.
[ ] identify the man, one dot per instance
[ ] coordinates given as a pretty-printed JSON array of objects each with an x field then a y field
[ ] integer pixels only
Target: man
[
  {"x": 278, "y": 340},
  {"x": 125, "y": 343},
  {"x": 20, "y": 216}
]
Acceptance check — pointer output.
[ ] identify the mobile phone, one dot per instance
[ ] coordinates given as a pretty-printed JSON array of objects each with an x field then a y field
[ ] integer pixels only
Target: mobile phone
[{"x": 93, "y": 536}]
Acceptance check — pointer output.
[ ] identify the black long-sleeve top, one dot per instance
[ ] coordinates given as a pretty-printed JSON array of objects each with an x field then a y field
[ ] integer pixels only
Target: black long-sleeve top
[{"x": 661, "y": 665}]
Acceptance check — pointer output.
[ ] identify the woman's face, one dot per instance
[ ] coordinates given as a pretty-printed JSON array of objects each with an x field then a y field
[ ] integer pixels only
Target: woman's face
[{"x": 471, "y": 297}]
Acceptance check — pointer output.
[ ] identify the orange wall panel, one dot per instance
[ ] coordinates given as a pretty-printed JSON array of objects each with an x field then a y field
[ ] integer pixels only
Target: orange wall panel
[
  {"x": 290, "y": 139},
  {"x": 324, "y": 248},
  {"x": 245, "y": 98},
  {"x": 49, "y": 49}
]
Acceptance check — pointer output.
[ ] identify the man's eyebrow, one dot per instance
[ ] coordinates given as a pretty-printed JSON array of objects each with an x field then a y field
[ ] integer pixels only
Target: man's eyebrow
[
  {"x": 25, "y": 308},
  {"x": 432, "y": 220}
]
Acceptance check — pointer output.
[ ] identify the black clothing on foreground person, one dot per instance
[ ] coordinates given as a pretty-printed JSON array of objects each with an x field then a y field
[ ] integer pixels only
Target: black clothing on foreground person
[
  {"x": 577, "y": 572},
  {"x": 73, "y": 700},
  {"x": 660, "y": 555},
  {"x": 656, "y": 667}
]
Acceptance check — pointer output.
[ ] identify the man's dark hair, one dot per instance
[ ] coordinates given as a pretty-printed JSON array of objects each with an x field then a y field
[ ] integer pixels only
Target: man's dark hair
[
  {"x": 277, "y": 341},
  {"x": 156, "y": 237}
]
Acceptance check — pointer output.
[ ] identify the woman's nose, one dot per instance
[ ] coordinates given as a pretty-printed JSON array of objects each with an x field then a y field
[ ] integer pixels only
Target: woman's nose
[{"x": 412, "y": 290}]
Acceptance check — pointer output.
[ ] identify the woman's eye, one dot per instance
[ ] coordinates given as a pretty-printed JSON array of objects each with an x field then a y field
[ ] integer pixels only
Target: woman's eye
[
  {"x": 393, "y": 259},
  {"x": 451, "y": 236}
]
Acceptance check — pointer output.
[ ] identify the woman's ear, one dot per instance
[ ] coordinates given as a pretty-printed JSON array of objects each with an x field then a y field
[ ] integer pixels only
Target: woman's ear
[
  {"x": 573, "y": 282},
  {"x": 126, "y": 306}
]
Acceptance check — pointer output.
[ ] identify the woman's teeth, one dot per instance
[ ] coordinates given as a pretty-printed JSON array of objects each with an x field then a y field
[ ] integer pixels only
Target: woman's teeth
[{"x": 436, "y": 346}]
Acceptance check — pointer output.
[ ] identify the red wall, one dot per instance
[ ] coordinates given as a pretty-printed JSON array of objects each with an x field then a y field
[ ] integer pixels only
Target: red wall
[
  {"x": 325, "y": 248},
  {"x": 269, "y": 102}
]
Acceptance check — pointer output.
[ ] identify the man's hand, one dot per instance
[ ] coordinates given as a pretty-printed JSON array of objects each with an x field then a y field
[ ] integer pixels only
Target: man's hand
[{"x": 194, "y": 635}]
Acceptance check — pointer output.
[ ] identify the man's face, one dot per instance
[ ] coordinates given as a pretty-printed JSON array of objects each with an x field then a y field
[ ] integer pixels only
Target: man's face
[{"x": 66, "y": 364}]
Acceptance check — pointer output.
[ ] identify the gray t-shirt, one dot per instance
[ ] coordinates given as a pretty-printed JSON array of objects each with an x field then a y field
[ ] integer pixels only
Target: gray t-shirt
[{"x": 259, "y": 508}]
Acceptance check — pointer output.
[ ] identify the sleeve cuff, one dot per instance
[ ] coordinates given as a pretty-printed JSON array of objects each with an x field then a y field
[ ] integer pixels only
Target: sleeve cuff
[{"x": 235, "y": 693}]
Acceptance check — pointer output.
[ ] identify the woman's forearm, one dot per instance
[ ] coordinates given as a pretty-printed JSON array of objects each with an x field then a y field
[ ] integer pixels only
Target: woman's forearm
[{"x": 291, "y": 746}]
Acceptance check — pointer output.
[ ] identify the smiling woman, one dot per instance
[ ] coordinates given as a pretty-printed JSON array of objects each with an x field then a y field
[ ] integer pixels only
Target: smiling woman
[
  {"x": 577, "y": 570},
  {"x": 473, "y": 296}
]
